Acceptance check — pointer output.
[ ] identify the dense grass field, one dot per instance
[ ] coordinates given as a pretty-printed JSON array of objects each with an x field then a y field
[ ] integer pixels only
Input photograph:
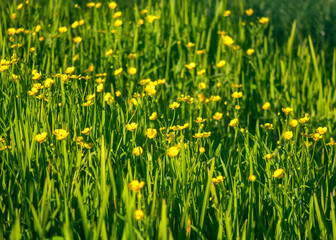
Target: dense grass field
[{"x": 176, "y": 119}]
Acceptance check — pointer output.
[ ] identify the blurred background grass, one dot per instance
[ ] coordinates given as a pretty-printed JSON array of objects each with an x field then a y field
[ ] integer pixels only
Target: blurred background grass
[{"x": 314, "y": 18}]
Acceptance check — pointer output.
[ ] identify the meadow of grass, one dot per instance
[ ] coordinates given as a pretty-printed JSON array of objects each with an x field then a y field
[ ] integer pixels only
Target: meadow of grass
[{"x": 176, "y": 119}]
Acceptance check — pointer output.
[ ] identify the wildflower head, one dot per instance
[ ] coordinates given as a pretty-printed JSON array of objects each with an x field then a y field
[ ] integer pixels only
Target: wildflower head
[
  {"x": 86, "y": 131},
  {"x": 60, "y": 134},
  {"x": 293, "y": 122},
  {"x": 137, "y": 151},
  {"x": 263, "y": 20},
  {"x": 266, "y": 106},
  {"x": 151, "y": 133},
  {"x": 250, "y": 51},
  {"x": 191, "y": 66},
  {"x": 252, "y": 178},
  {"x": 233, "y": 122},
  {"x": 173, "y": 151},
  {"x": 249, "y": 12},
  {"x": 287, "y": 110},
  {"x": 237, "y": 94},
  {"x": 288, "y": 135},
  {"x": 174, "y": 105},
  {"x": 278, "y": 173},
  {"x": 218, "y": 180},
  {"x": 220, "y": 64},
  {"x": 131, "y": 127},
  {"x": 40, "y": 138},
  {"x": 135, "y": 185},
  {"x": 217, "y": 116},
  {"x": 132, "y": 70},
  {"x": 321, "y": 130},
  {"x": 153, "y": 116},
  {"x": 138, "y": 214}
]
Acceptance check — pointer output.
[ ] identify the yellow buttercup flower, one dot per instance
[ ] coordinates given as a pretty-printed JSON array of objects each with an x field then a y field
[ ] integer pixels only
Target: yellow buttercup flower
[
  {"x": 218, "y": 180},
  {"x": 135, "y": 185},
  {"x": 174, "y": 105},
  {"x": 250, "y": 51},
  {"x": 131, "y": 127},
  {"x": 227, "y": 40},
  {"x": 202, "y": 135},
  {"x": 220, "y": 64},
  {"x": 109, "y": 52},
  {"x": 38, "y": 28},
  {"x": 77, "y": 39},
  {"x": 287, "y": 110},
  {"x": 316, "y": 136},
  {"x": 217, "y": 116},
  {"x": 191, "y": 66},
  {"x": 151, "y": 18},
  {"x": 237, "y": 94},
  {"x": 69, "y": 70},
  {"x": 48, "y": 82},
  {"x": 132, "y": 70},
  {"x": 150, "y": 89},
  {"x": 249, "y": 12},
  {"x": 268, "y": 126},
  {"x": 288, "y": 135},
  {"x": 118, "y": 93},
  {"x": 201, "y": 150},
  {"x": 153, "y": 116},
  {"x": 227, "y": 13},
  {"x": 144, "y": 11},
  {"x": 252, "y": 178},
  {"x": 278, "y": 173},
  {"x": 201, "y": 85},
  {"x": 60, "y": 134},
  {"x": 90, "y": 4},
  {"x": 200, "y": 52},
  {"x": 293, "y": 122},
  {"x": 173, "y": 151},
  {"x": 137, "y": 151},
  {"x": 138, "y": 214},
  {"x": 321, "y": 130},
  {"x": 233, "y": 122},
  {"x": 86, "y": 131},
  {"x": 151, "y": 133},
  {"x": 190, "y": 45},
  {"x": 117, "y": 14},
  {"x": 11, "y": 31},
  {"x": 201, "y": 72},
  {"x": 62, "y": 29},
  {"x": 118, "y": 72},
  {"x": 266, "y": 106},
  {"x": 108, "y": 98},
  {"x": 200, "y": 120},
  {"x": 40, "y": 138},
  {"x": 100, "y": 87},
  {"x": 112, "y": 5},
  {"x": 37, "y": 76},
  {"x": 75, "y": 24},
  {"x": 118, "y": 23},
  {"x": 304, "y": 119},
  {"x": 20, "y": 6},
  {"x": 268, "y": 156},
  {"x": 90, "y": 97},
  {"x": 263, "y": 20}
]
